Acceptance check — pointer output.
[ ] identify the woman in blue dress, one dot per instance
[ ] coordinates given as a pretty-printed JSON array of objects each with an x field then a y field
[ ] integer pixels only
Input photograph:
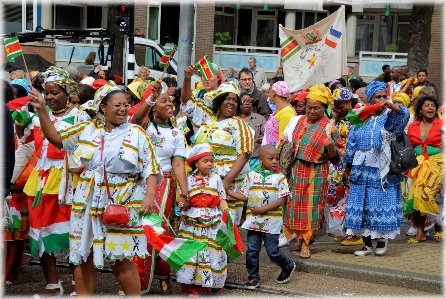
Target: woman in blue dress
[{"x": 374, "y": 206}]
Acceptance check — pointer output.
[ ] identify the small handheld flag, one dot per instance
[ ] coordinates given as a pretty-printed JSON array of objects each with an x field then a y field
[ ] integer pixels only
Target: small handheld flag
[
  {"x": 168, "y": 54},
  {"x": 228, "y": 236},
  {"x": 205, "y": 67},
  {"x": 12, "y": 48},
  {"x": 358, "y": 117}
]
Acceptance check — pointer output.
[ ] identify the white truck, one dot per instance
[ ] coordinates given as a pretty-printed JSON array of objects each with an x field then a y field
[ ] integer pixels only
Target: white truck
[{"x": 147, "y": 52}]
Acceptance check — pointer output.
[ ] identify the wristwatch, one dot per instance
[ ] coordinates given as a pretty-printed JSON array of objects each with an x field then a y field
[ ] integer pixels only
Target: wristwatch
[{"x": 184, "y": 196}]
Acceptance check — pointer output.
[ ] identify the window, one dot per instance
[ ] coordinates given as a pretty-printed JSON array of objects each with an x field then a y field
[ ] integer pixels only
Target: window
[
  {"x": 153, "y": 23},
  {"x": 68, "y": 17},
  {"x": 13, "y": 16},
  {"x": 224, "y": 22},
  {"x": 376, "y": 32},
  {"x": 305, "y": 19},
  {"x": 94, "y": 16}
]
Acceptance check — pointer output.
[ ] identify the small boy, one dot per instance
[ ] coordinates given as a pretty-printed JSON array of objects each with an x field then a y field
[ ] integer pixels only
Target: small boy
[{"x": 265, "y": 189}]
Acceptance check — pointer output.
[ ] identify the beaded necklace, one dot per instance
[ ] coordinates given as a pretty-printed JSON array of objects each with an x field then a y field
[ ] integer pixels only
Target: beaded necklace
[{"x": 68, "y": 106}]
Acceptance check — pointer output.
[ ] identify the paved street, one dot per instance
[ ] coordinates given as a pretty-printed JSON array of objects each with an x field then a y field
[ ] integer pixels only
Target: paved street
[{"x": 332, "y": 270}]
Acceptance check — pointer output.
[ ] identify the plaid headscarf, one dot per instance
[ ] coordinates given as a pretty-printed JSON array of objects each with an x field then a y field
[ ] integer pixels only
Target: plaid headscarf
[
  {"x": 226, "y": 87},
  {"x": 61, "y": 77},
  {"x": 342, "y": 94},
  {"x": 102, "y": 92},
  {"x": 373, "y": 87}
]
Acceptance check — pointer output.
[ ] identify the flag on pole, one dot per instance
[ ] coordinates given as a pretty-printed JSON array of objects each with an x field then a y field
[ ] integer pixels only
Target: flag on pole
[
  {"x": 175, "y": 251},
  {"x": 358, "y": 117},
  {"x": 205, "y": 67},
  {"x": 12, "y": 48},
  {"x": 168, "y": 54},
  {"x": 228, "y": 236},
  {"x": 315, "y": 54}
]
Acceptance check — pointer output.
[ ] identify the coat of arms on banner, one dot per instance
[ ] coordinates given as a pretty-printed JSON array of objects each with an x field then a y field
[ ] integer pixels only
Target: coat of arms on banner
[{"x": 311, "y": 37}]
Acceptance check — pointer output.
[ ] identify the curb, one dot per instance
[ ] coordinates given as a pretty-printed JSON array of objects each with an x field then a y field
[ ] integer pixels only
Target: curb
[{"x": 410, "y": 280}]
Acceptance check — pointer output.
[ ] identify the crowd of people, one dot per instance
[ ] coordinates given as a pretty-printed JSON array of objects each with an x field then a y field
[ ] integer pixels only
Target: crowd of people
[{"x": 272, "y": 157}]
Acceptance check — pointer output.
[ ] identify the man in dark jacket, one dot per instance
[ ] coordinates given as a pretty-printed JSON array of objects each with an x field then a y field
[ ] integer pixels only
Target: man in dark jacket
[
  {"x": 422, "y": 80},
  {"x": 259, "y": 102}
]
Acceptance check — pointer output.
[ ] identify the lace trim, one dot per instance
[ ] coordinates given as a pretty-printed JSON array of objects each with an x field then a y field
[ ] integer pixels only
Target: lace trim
[{"x": 374, "y": 234}]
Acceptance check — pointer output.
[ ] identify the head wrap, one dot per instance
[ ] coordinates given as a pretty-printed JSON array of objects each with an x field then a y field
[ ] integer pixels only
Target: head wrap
[
  {"x": 34, "y": 75},
  {"x": 373, "y": 87},
  {"x": 98, "y": 83},
  {"x": 226, "y": 87},
  {"x": 321, "y": 93},
  {"x": 301, "y": 95},
  {"x": 102, "y": 92},
  {"x": 88, "y": 81},
  {"x": 199, "y": 151},
  {"x": 342, "y": 94},
  {"x": 332, "y": 82},
  {"x": 416, "y": 91},
  {"x": 61, "y": 77},
  {"x": 23, "y": 83},
  {"x": 143, "y": 87},
  {"x": 134, "y": 87},
  {"x": 281, "y": 88},
  {"x": 401, "y": 97}
]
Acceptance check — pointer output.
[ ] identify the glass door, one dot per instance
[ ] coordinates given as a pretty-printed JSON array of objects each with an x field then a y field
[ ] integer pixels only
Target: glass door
[{"x": 265, "y": 28}]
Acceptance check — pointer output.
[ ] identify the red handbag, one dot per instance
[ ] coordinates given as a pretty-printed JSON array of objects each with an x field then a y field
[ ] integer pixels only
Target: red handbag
[{"x": 114, "y": 214}]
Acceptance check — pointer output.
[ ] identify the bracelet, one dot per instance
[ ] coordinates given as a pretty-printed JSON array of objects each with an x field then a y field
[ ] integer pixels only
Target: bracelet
[
  {"x": 18, "y": 124},
  {"x": 149, "y": 102},
  {"x": 184, "y": 196}
]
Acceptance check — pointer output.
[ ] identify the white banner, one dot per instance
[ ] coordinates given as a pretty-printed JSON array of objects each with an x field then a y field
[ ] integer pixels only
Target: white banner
[{"x": 316, "y": 54}]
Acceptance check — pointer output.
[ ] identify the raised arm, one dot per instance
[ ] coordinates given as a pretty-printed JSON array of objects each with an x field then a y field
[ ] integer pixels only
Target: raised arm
[
  {"x": 141, "y": 113},
  {"x": 186, "y": 91},
  {"x": 47, "y": 126}
]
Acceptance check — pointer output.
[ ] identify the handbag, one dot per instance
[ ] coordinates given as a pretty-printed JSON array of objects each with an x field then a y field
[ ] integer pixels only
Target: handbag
[
  {"x": 114, "y": 214},
  {"x": 403, "y": 157},
  {"x": 286, "y": 159}
]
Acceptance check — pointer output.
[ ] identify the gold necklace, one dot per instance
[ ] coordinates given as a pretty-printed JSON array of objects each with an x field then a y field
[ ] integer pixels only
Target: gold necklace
[
  {"x": 61, "y": 110},
  {"x": 426, "y": 130}
]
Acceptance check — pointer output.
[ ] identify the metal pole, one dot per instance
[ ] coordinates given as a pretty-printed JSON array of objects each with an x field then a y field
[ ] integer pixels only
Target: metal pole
[{"x": 185, "y": 38}]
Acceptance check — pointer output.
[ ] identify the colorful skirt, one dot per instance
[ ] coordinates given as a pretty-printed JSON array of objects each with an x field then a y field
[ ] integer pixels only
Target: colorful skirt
[
  {"x": 375, "y": 211},
  {"x": 207, "y": 268},
  {"x": 305, "y": 208},
  {"x": 49, "y": 221}
]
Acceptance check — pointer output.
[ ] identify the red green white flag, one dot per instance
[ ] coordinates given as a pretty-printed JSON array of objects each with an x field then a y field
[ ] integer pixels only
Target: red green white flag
[
  {"x": 205, "y": 67},
  {"x": 12, "y": 48},
  {"x": 358, "y": 117},
  {"x": 15, "y": 215},
  {"x": 175, "y": 251},
  {"x": 289, "y": 47},
  {"x": 228, "y": 236},
  {"x": 168, "y": 54}
]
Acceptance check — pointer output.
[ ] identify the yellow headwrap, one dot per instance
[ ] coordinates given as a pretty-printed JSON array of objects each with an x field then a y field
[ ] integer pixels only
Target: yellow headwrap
[
  {"x": 320, "y": 93},
  {"x": 402, "y": 97},
  {"x": 416, "y": 91}
]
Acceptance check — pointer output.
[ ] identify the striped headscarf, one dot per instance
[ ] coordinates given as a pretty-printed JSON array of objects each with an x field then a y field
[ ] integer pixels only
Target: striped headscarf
[
  {"x": 61, "y": 77},
  {"x": 102, "y": 92}
]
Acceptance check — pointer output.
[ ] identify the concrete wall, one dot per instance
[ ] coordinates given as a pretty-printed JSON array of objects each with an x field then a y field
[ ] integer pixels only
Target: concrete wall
[
  {"x": 204, "y": 32},
  {"x": 435, "y": 68}
]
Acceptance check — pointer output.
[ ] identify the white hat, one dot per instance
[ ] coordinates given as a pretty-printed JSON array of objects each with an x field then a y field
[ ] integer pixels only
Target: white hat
[
  {"x": 199, "y": 151},
  {"x": 87, "y": 81}
]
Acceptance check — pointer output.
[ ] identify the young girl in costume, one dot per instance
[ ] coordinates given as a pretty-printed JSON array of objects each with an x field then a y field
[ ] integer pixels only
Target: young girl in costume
[{"x": 201, "y": 221}]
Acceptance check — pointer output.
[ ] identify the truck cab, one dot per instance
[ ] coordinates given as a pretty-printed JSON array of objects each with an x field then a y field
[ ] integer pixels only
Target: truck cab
[{"x": 149, "y": 53}]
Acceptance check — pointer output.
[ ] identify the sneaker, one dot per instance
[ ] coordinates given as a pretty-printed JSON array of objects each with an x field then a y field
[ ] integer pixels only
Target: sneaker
[
  {"x": 283, "y": 241},
  {"x": 252, "y": 284},
  {"x": 285, "y": 276}
]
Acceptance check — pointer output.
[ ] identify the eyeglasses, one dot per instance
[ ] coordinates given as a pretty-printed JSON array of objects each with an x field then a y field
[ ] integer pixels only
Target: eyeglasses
[
  {"x": 315, "y": 109},
  {"x": 118, "y": 106},
  {"x": 246, "y": 79}
]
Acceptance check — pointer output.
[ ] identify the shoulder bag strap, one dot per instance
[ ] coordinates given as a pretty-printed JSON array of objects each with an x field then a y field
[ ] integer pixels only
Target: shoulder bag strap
[{"x": 103, "y": 166}]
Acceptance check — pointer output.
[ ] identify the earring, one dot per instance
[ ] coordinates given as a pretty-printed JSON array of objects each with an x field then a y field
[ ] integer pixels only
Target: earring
[{"x": 218, "y": 112}]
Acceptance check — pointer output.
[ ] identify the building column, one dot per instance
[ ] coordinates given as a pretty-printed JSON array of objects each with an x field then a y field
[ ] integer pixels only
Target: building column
[
  {"x": 290, "y": 19},
  {"x": 47, "y": 15},
  {"x": 351, "y": 35}
]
